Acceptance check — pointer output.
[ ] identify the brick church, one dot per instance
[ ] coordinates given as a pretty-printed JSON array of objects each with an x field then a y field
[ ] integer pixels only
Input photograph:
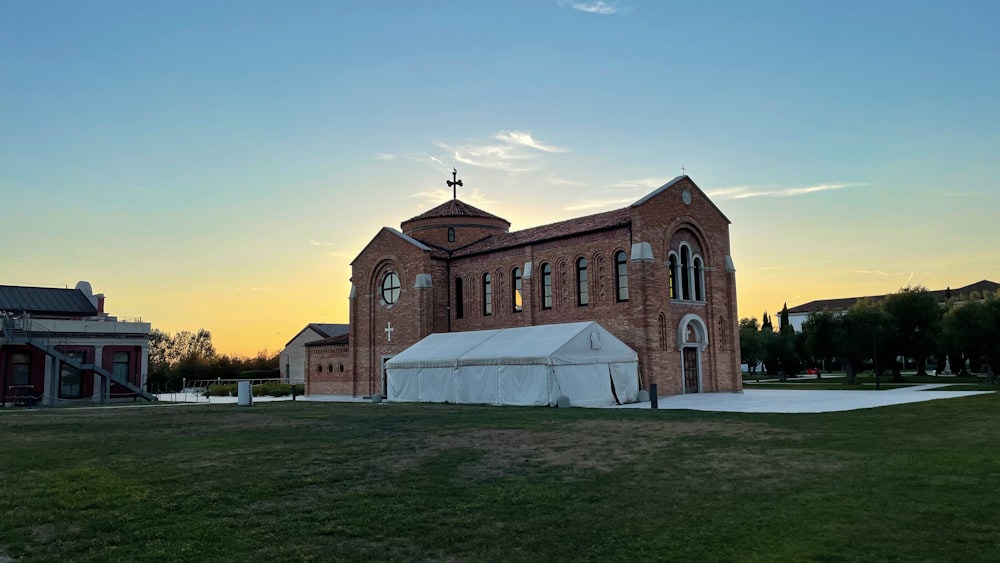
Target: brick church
[{"x": 657, "y": 274}]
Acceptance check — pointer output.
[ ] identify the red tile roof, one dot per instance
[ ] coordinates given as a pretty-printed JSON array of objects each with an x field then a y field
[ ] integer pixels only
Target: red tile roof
[
  {"x": 562, "y": 229},
  {"x": 455, "y": 208}
]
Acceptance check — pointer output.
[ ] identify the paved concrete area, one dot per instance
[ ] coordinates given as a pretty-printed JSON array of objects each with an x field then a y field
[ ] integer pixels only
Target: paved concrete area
[
  {"x": 751, "y": 400},
  {"x": 805, "y": 401}
]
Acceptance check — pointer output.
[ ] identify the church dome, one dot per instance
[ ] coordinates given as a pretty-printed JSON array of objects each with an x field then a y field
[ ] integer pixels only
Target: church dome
[{"x": 454, "y": 224}]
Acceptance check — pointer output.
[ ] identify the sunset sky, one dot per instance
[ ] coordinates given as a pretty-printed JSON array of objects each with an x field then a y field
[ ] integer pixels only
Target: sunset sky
[{"x": 210, "y": 164}]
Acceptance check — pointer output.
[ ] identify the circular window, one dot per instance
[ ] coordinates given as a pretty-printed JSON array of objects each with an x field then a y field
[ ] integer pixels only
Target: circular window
[
  {"x": 329, "y": 368},
  {"x": 341, "y": 368},
  {"x": 319, "y": 368},
  {"x": 390, "y": 288}
]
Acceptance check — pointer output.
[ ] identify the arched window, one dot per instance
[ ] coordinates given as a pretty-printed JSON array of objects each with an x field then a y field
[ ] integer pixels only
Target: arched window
[
  {"x": 459, "y": 299},
  {"x": 685, "y": 273},
  {"x": 451, "y": 234},
  {"x": 582, "y": 286},
  {"x": 487, "y": 295},
  {"x": 699, "y": 294},
  {"x": 546, "y": 286},
  {"x": 515, "y": 287},
  {"x": 621, "y": 276},
  {"x": 672, "y": 266},
  {"x": 390, "y": 288},
  {"x": 662, "y": 321}
]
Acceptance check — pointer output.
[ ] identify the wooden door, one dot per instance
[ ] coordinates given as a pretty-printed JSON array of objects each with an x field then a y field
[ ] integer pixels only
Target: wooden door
[{"x": 690, "y": 370}]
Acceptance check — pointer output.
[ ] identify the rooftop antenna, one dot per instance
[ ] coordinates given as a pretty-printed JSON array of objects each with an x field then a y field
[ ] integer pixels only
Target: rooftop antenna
[{"x": 454, "y": 183}]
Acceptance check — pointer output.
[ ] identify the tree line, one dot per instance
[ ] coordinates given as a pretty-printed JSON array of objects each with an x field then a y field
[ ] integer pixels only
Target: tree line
[
  {"x": 192, "y": 356},
  {"x": 880, "y": 334}
]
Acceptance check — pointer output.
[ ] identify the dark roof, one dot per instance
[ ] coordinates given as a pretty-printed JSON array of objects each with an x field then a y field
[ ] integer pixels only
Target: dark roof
[
  {"x": 456, "y": 208},
  {"x": 325, "y": 330},
  {"x": 45, "y": 301},
  {"x": 336, "y": 340},
  {"x": 844, "y": 303},
  {"x": 330, "y": 330},
  {"x": 562, "y": 229}
]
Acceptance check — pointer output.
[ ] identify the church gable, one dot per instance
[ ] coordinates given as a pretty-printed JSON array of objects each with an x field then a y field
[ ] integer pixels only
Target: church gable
[
  {"x": 681, "y": 196},
  {"x": 391, "y": 238}
]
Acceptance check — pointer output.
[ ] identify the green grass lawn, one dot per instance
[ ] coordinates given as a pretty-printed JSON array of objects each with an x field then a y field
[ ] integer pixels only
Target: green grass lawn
[{"x": 325, "y": 481}]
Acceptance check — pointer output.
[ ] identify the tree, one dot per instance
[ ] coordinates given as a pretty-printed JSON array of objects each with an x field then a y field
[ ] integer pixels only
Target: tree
[
  {"x": 916, "y": 320},
  {"x": 973, "y": 329},
  {"x": 822, "y": 336},
  {"x": 751, "y": 344},
  {"x": 864, "y": 335}
]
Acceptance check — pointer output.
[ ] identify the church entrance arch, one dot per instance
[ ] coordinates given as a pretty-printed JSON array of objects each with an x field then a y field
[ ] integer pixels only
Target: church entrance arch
[{"x": 692, "y": 340}]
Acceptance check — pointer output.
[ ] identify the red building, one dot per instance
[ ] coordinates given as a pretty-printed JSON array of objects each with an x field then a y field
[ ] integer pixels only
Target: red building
[
  {"x": 657, "y": 274},
  {"x": 58, "y": 346}
]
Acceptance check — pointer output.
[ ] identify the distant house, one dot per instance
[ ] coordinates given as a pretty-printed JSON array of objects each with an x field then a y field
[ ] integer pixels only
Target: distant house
[
  {"x": 293, "y": 356},
  {"x": 58, "y": 346},
  {"x": 799, "y": 314}
]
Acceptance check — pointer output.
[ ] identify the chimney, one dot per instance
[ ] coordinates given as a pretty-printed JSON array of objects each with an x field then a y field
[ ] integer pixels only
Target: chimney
[{"x": 100, "y": 303}]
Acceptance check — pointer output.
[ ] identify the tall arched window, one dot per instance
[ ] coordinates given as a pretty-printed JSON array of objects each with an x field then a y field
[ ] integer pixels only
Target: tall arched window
[
  {"x": 515, "y": 287},
  {"x": 685, "y": 273},
  {"x": 459, "y": 299},
  {"x": 487, "y": 295},
  {"x": 621, "y": 276},
  {"x": 451, "y": 234},
  {"x": 672, "y": 265},
  {"x": 582, "y": 285},
  {"x": 546, "y": 286},
  {"x": 662, "y": 322},
  {"x": 698, "y": 275}
]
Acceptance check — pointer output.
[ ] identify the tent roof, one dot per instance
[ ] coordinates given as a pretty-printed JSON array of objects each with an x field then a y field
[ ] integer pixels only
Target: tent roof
[{"x": 554, "y": 344}]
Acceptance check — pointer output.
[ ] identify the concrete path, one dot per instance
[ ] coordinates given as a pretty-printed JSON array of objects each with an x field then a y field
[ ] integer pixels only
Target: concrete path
[
  {"x": 751, "y": 400},
  {"x": 796, "y": 401}
]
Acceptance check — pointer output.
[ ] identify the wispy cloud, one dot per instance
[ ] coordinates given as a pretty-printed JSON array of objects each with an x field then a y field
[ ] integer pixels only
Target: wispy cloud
[
  {"x": 517, "y": 151},
  {"x": 602, "y": 8},
  {"x": 597, "y": 204},
  {"x": 385, "y": 156},
  {"x": 497, "y": 157},
  {"x": 525, "y": 139},
  {"x": 560, "y": 181},
  {"x": 639, "y": 184},
  {"x": 318, "y": 243},
  {"x": 744, "y": 192}
]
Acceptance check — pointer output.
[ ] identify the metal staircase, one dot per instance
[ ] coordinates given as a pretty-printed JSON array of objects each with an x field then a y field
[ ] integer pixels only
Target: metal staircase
[{"x": 18, "y": 331}]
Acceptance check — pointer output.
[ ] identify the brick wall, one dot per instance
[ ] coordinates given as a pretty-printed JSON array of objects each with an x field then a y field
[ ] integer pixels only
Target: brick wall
[{"x": 328, "y": 370}]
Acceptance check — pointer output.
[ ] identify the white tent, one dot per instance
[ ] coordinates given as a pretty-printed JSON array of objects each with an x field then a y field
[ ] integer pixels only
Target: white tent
[{"x": 517, "y": 366}]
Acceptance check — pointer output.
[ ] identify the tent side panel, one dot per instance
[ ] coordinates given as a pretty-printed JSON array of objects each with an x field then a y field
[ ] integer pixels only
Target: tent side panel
[
  {"x": 403, "y": 384},
  {"x": 437, "y": 385},
  {"x": 477, "y": 385},
  {"x": 526, "y": 385},
  {"x": 625, "y": 378},
  {"x": 585, "y": 385}
]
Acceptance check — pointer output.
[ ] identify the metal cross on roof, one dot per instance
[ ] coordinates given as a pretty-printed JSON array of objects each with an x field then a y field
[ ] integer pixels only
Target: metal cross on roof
[{"x": 454, "y": 183}]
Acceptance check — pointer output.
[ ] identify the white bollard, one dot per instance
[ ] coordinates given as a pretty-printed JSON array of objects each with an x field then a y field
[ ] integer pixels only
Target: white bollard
[{"x": 244, "y": 393}]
